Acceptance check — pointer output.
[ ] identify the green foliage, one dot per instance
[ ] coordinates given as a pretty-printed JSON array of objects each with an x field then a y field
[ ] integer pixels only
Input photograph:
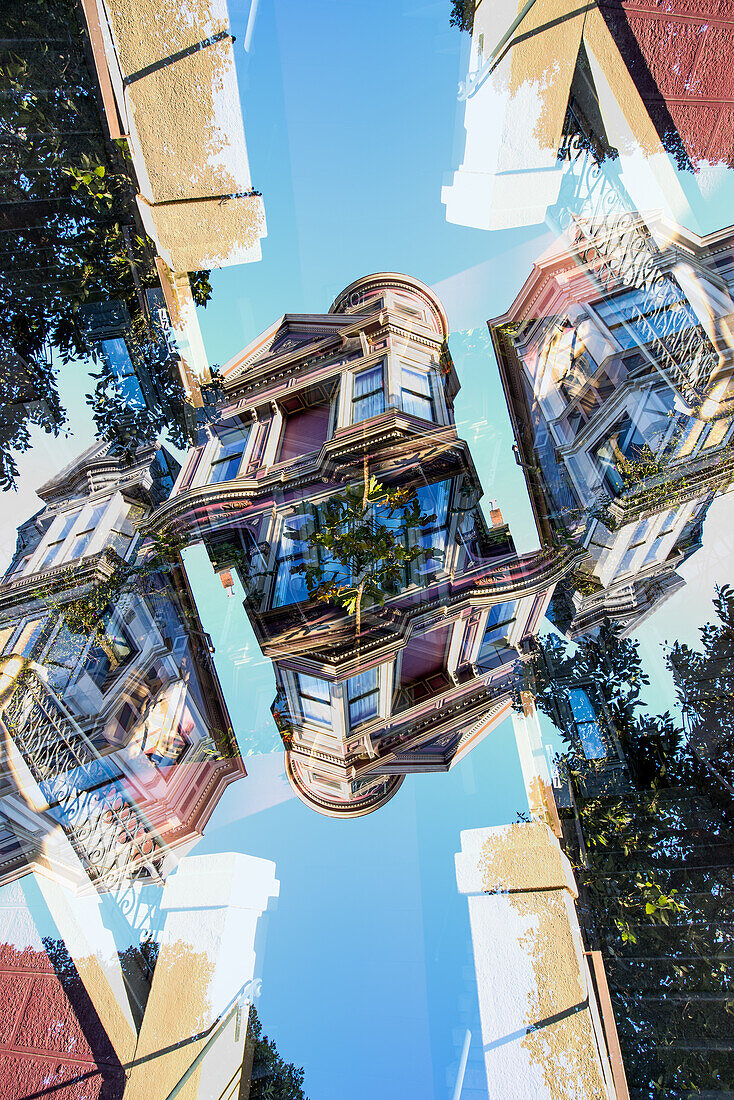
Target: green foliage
[
  {"x": 86, "y": 614},
  {"x": 127, "y": 426},
  {"x": 361, "y": 535},
  {"x": 462, "y": 14},
  {"x": 69, "y": 218},
  {"x": 655, "y": 873},
  {"x": 704, "y": 680},
  {"x": 272, "y": 1077}
]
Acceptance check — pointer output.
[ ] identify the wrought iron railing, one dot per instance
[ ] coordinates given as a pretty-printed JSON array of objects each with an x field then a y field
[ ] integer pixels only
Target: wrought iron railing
[
  {"x": 84, "y": 790},
  {"x": 615, "y": 246}
]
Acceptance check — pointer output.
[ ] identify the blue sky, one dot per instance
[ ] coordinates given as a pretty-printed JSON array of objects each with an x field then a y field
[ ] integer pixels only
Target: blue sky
[{"x": 352, "y": 125}]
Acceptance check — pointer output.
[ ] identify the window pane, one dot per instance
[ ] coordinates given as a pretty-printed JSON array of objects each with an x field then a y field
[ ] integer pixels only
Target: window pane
[
  {"x": 232, "y": 443},
  {"x": 117, "y": 356},
  {"x": 107, "y": 654},
  {"x": 232, "y": 438},
  {"x": 225, "y": 469},
  {"x": 366, "y": 407},
  {"x": 363, "y": 696},
  {"x": 315, "y": 699},
  {"x": 29, "y": 637},
  {"x": 51, "y": 555},
  {"x": 586, "y": 723},
  {"x": 66, "y": 525},
  {"x": 120, "y": 542},
  {"x": 367, "y": 381},
  {"x": 369, "y": 396},
  {"x": 417, "y": 393},
  {"x": 63, "y": 656},
  {"x": 314, "y": 711},
  {"x": 417, "y": 382},
  {"x": 500, "y": 619},
  {"x": 81, "y": 542},
  {"x": 415, "y": 405}
]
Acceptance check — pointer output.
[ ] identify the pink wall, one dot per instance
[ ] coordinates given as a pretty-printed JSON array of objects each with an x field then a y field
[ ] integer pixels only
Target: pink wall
[
  {"x": 424, "y": 654},
  {"x": 304, "y": 432},
  {"x": 679, "y": 55},
  {"x": 51, "y": 1040}
]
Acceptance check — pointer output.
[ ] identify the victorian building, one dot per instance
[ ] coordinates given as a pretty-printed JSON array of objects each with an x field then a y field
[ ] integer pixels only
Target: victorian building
[
  {"x": 340, "y": 427},
  {"x": 118, "y": 743},
  {"x": 650, "y": 82},
  {"x": 616, "y": 360}
]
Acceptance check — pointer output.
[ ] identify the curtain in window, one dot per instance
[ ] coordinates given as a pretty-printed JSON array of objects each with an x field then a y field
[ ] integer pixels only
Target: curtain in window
[
  {"x": 434, "y": 501},
  {"x": 363, "y": 695},
  {"x": 416, "y": 393},
  {"x": 290, "y": 586},
  {"x": 315, "y": 699},
  {"x": 369, "y": 396}
]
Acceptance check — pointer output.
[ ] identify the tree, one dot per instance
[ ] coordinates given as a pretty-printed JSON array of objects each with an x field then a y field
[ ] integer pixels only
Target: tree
[
  {"x": 127, "y": 425},
  {"x": 704, "y": 680},
  {"x": 272, "y": 1078},
  {"x": 69, "y": 226},
  {"x": 359, "y": 549},
  {"x": 462, "y": 15},
  {"x": 654, "y": 872}
]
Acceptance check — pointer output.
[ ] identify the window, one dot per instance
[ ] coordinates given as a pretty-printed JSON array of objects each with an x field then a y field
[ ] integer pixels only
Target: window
[
  {"x": 290, "y": 586},
  {"x": 63, "y": 656},
  {"x": 116, "y": 356},
  {"x": 632, "y": 440},
  {"x": 499, "y": 623},
  {"x": 83, "y": 538},
  {"x": 228, "y": 459},
  {"x": 625, "y": 444},
  {"x": 315, "y": 699},
  {"x": 588, "y": 728},
  {"x": 108, "y": 653},
  {"x": 17, "y": 568},
  {"x": 577, "y": 376},
  {"x": 31, "y": 637},
  {"x": 363, "y": 696},
  {"x": 53, "y": 550},
  {"x": 637, "y": 540},
  {"x": 120, "y": 542},
  {"x": 434, "y": 501},
  {"x": 417, "y": 399},
  {"x": 368, "y": 398},
  {"x": 638, "y": 317}
]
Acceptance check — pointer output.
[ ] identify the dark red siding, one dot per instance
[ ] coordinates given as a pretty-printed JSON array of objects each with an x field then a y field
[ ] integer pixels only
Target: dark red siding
[
  {"x": 51, "y": 1040},
  {"x": 304, "y": 432},
  {"x": 679, "y": 53}
]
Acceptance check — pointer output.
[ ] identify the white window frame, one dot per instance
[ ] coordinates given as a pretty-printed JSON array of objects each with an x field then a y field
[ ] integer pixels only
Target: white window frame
[
  {"x": 82, "y": 518},
  {"x": 211, "y": 448}
]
